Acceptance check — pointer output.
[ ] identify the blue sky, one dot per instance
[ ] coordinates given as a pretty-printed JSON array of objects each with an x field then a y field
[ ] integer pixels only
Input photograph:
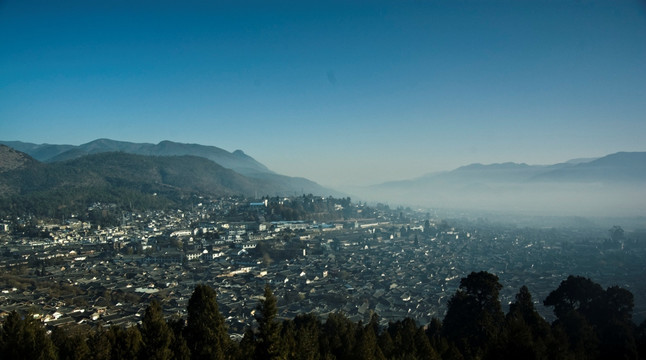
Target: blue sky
[{"x": 340, "y": 92}]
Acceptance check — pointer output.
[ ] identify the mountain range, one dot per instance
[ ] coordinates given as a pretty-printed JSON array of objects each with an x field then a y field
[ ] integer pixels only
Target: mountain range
[
  {"x": 611, "y": 185},
  {"x": 237, "y": 160},
  {"x": 629, "y": 167},
  {"x": 117, "y": 172}
]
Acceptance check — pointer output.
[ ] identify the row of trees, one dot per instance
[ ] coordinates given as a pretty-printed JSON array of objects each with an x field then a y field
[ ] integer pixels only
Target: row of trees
[{"x": 592, "y": 323}]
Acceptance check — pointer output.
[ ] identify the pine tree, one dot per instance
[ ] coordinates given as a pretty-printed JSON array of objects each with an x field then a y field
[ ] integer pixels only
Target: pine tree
[
  {"x": 268, "y": 346},
  {"x": 366, "y": 347},
  {"x": 206, "y": 333},
  {"x": 423, "y": 347},
  {"x": 596, "y": 321},
  {"x": 338, "y": 338},
  {"x": 474, "y": 317},
  {"x": 525, "y": 333},
  {"x": 124, "y": 343},
  {"x": 25, "y": 338},
  {"x": 247, "y": 346},
  {"x": 70, "y": 344},
  {"x": 99, "y": 344},
  {"x": 288, "y": 339},
  {"x": 156, "y": 334},
  {"x": 386, "y": 344},
  {"x": 307, "y": 337},
  {"x": 179, "y": 345}
]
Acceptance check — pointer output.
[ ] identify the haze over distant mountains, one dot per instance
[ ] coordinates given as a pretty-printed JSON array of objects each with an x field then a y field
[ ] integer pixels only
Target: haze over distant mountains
[
  {"x": 613, "y": 185},
  {"x": 619, "y": 167}
]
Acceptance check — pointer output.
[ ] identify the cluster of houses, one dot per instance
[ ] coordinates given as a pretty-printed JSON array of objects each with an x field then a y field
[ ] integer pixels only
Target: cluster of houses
[{"x": 392, "y": 265}]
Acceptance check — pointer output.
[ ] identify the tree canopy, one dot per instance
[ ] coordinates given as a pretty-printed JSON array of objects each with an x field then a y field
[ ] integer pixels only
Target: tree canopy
[{"x": 592, "y": 323}]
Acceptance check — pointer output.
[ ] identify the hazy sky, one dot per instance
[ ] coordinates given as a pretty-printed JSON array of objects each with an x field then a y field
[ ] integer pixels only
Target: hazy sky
[{"x": 348, "y": 92}]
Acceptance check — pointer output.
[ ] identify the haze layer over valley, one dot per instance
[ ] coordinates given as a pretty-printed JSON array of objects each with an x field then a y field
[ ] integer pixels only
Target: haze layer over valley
[
  {"x": 609, "y": 186},
  {"x": 613, "y": 185},
  {"x": 354, "y": 158}
]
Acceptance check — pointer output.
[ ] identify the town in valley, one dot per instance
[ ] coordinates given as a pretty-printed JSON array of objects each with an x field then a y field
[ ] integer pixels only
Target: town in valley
[{"x": 320, "y": 255}]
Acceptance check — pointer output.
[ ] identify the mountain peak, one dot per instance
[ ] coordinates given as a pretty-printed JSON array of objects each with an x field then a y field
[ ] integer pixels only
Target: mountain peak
[
  {"x": 11, "y": 159},
  {"x": 237, "y": 161}
]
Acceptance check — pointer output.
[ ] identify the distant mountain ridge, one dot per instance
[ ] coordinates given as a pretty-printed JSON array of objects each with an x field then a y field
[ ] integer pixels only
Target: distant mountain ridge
[
  {"x": 30, "y": 186},
  {"x": 237, "y": 160},
  {"x": 621, "y": 166},
  {"x": 613, "y": 184},
  {"x": 617, "y": 167}
]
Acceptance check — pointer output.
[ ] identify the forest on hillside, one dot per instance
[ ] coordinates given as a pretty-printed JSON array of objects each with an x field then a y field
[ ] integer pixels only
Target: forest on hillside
[{"x": 591, "y": 323}]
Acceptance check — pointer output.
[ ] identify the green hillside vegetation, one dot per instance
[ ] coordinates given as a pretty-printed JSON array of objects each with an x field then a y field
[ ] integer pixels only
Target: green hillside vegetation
[
  {"x": 135, "y": 181},
  {"x": 592, "y": 323},
  {"x": 237, "y": 161},
  {"x": 11, "y": 159},
  {"x": 265, "y": 180}
]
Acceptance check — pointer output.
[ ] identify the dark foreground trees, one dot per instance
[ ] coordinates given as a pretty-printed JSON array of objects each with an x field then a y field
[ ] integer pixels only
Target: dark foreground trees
[
  {"x": 23, "y": 337},
  {"x": 156, "y": 335},
  {"x": 597, "y": 322},
  {"x": 592, "y": 323},
  {"x": 206, "y": 334},
  {"x": 268, "y": 344},
  {"x": 474, "y": 318}
]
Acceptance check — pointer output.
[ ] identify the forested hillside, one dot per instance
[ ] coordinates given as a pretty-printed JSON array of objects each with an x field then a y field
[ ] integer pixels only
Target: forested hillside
[{"x": 59, "y": 189}]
